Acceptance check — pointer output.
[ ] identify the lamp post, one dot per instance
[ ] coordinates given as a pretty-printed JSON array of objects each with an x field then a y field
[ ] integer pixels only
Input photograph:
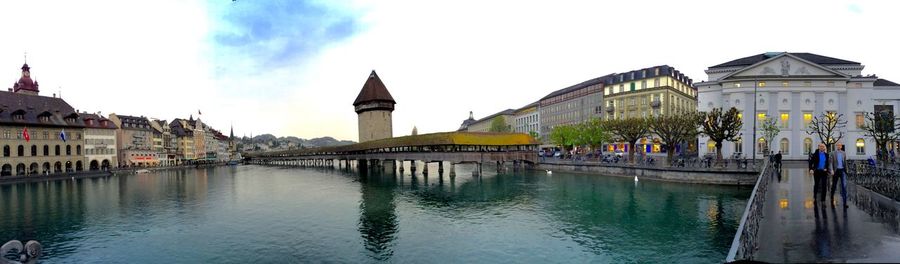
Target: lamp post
[{"x": 755, "y": 83}]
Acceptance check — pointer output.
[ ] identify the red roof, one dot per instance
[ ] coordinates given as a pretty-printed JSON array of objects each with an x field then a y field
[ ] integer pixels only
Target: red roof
[{"x": 373, "y": 90}]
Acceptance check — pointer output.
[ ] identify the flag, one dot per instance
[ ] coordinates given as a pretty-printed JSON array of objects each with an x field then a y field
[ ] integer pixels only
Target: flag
[
  {"x": 25, "y": 135},
  {"x": 62, "y": 135}
]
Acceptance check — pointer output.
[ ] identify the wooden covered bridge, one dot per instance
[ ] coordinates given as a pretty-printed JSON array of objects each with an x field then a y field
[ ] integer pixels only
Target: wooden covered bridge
[{"x": 452, "y": 147}]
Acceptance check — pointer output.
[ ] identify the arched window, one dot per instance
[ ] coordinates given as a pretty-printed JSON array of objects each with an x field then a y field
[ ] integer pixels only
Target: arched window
[
  {"x": 57, "y": 150},
  {"x": 34, "y": 150},
  {"x": 78, "y": 150},
  {"x": 785, "y": 147},
  {"x": 807, "y": 146},
  {"x": 46, "y": 150},
  {"x": 68, "y": 150},
  {"x": 761, "y": 145},
  {"x": 711, "y": 146},
  {"x": 6, "y": 151},
  {"x": 20, "y": 152},
  {"x": 860, "y": 147}
]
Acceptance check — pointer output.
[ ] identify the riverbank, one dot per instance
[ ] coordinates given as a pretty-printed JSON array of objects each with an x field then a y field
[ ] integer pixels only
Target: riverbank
[
  {"x": 674, "y": 174},
  {"x": 93, "y": 174}
]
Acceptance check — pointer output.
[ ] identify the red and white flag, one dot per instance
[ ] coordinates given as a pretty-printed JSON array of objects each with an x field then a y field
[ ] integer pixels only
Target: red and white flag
[{"x": 25, "y": 135}]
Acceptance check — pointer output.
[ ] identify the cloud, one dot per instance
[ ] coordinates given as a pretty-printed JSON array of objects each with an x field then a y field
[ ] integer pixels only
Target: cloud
[{"x": 266, "y": 34}]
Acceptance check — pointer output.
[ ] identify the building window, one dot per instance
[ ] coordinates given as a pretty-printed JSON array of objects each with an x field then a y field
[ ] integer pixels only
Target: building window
[
  {"x": 737, "y": 85},
  {"x": 656, "y": 82},
  {"x": 785, "y": 120},
  {"x": 711, "y": 146},
  {"x": 644, "y": 84},
  {"x": 807, "y": 146},
  {"x": 860, "y": 120},
  {"x": 57, "y": 150},
  {"x": 785, "y": 83},
  {"x": 20, "y": 151},
  {"x": 785, "y": 146},
  {"x": 632, "y": 86},
  {"x": 807, "y": 83},
  {"x": 739, "y": 146},
  {"x": 34, "y": 151},
  {"x": 762, "y": 84},
  {"x": 761, "y": 117},
  {"x": 807, "y": 119},
  {"x": 860, "y": 147},
  {"x": 46, "y": 150}
]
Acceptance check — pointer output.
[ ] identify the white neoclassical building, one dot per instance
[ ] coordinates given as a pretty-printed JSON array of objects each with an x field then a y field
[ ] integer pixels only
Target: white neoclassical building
[{"x": 792, "y": 88}]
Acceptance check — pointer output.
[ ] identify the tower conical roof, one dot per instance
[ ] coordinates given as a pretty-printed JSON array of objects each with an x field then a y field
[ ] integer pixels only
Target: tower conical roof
[{"x": 373, "y": 90}]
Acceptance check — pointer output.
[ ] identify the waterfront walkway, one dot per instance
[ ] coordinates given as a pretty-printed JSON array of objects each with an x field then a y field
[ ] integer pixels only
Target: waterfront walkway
[{"x": 798, "y": 229}]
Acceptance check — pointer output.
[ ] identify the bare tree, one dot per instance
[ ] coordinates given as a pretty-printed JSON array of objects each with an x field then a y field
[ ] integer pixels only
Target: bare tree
[
  {"x": 721, "y": 127},
  {"x": 881, "y": 128},
  {"x": 828, "y": 127},
  {"x": 675, "y": 128},
  {"x": 629, "y": 130},
  {"x": 769, "y": 129}
]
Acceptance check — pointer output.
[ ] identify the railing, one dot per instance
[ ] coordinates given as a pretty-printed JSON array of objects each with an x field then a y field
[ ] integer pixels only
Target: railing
[
  {"x": 878, "y": 178},
  {"x": 745, "y": 241},
  {"x": 659, "y": 162}
]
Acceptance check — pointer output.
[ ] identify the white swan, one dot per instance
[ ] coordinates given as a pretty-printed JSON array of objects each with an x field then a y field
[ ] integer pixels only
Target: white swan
[
  {"x": 549, "y": 172},
  {"x": 635, "y": 179}
]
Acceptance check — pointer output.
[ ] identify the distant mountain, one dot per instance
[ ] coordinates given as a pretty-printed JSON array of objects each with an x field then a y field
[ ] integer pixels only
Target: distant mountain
[{"x": 294, "y": 142}]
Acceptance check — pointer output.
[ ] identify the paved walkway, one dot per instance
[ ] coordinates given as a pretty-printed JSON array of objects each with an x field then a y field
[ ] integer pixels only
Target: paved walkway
[{"x": 798, "y": 229}]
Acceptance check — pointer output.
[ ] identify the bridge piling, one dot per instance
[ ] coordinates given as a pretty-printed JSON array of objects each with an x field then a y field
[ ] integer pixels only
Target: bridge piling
[
  {"x": 452, "y": 170},
  {"x": 425, "y": 168},
  {"x": 440, "y": 168}
]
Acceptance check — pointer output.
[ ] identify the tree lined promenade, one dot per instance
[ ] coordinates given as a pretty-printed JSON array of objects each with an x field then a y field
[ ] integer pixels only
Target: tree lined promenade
[{"x": 719, "y": 125}]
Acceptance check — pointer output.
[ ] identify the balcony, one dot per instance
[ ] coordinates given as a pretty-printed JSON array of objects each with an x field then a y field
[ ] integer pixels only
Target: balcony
[{"x": 655, "y": 103}]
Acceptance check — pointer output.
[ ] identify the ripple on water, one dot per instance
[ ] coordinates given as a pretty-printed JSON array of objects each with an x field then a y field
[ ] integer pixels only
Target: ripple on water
[{"x": 281, "y": 215}]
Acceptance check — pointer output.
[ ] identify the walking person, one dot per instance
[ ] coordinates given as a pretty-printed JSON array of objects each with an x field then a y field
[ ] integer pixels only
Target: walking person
[
  {"x": 778, "y": 160},
  {"x": 819, "y": 167},
  {"x": 839, "y": 163}
]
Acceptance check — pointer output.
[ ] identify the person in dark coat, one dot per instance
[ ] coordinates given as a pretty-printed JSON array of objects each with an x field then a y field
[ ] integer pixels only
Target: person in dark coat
[
  {"x": 820, "y": 168},
  {"x": 778, "y": 160}
]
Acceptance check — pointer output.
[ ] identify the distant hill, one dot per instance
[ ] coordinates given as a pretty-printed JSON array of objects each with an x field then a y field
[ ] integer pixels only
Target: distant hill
[{"x": 294, "y": 142}]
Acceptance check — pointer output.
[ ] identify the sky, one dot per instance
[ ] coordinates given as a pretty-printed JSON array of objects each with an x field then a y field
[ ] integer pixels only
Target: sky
[{"x": 293, "y": 68}]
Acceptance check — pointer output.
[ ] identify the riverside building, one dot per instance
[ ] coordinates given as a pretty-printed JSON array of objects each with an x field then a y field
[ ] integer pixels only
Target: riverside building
[
  {"x": 54, "y": 139},
  {"x": 793, "y": 88}
]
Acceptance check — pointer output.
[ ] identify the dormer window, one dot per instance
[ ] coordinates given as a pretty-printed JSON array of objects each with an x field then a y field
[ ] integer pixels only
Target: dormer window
[{"x": 18, "y": 115}]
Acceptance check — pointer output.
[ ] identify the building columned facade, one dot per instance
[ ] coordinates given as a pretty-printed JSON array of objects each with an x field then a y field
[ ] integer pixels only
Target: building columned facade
[
  {"x": 793, "y": 88},
  {"x": 99, "y": 142},
  {"x": 38, "y": 134},
  {"x": 571, "y": 105},
  {"x": 134, "y": 139},
  {"x": 528, "y": 119}
]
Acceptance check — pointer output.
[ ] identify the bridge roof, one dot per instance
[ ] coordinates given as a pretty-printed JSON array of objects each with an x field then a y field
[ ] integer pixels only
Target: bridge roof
[{"x": 434, "y": 139}]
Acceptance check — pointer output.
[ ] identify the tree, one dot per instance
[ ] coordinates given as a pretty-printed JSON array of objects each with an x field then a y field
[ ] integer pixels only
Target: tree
[
  {"x": 769, "y": 130},
  {"x": 828, "y": 127},
  {"x": 563, "y": 135},
  {"x": 674, "y": 129},
  {"x": 720, "y": 127},
  {"x": 593, "y": 133},
  {"x": 881, "y": 128},
  {"x": 629, "y": 130},
  {"x": 498, "y": 124}
]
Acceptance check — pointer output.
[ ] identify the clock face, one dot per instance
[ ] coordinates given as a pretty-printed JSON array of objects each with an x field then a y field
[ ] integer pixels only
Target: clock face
[{"x": 27, "y": 74}]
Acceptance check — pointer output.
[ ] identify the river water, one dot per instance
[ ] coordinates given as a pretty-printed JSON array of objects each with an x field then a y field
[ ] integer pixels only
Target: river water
[{"x": 256, "y": 214}]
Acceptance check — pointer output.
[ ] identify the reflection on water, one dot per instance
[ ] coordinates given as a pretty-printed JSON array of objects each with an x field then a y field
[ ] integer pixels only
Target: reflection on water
[{"x": 267, "y": 214}]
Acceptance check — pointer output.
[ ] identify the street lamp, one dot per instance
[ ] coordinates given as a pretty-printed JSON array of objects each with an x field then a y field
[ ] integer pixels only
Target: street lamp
[{"x": 755, "y": 83}]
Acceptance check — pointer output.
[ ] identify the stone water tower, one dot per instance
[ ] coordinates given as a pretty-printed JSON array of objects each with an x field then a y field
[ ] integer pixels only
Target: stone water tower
[{"x": 374, "y": 106}]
